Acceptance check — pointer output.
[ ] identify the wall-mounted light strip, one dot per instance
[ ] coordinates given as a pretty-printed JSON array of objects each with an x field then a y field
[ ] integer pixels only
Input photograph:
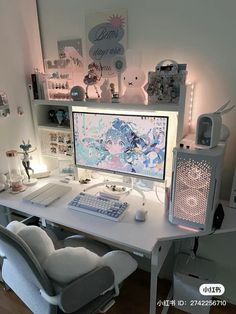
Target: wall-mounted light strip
[{"x": 192, "y": 87}]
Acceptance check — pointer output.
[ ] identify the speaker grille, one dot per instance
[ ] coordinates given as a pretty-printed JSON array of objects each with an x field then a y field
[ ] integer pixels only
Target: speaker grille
[{"x": 192, "y": 184}]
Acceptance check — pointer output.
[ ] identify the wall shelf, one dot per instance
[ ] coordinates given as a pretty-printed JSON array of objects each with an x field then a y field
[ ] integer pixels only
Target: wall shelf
[
  {"x": 54, "y": 127},
  {"x": 59, "y": 157},
  {"x": 54, "y": 141},
  {"x": 42, "y": 123}
]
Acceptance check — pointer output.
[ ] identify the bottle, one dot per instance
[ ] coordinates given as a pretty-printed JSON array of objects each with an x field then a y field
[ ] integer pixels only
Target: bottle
[{"x": 14, "y": 172}]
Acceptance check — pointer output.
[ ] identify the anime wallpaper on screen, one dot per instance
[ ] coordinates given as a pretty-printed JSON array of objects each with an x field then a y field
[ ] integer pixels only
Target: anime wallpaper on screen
[{"x": 121, "y": 143}]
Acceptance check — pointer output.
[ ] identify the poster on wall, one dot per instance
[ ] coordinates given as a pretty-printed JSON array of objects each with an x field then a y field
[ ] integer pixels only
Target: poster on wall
[{"x": 106, "y": 34}]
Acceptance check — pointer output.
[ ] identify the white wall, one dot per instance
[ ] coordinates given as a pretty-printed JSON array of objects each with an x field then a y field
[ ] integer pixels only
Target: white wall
[
  {"x": 20, "y": 53},
  {"x": 200, "y": 33}
]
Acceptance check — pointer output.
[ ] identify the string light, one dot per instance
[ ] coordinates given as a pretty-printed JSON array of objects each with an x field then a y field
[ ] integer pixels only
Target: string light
[{"x": 192, "y": 87}]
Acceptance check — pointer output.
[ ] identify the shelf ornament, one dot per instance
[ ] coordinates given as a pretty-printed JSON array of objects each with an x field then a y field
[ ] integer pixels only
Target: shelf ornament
[
  {"x": 164, "y": 83},
  {"x": 26, "y": 161},
  {"x": 4, "y": 106},
  {"x": 93, "y": 76},
  {"x": 133, "y": 79}
]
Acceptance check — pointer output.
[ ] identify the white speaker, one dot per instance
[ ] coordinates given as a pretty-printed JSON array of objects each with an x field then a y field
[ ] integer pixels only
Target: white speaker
[
  {"x": 208, "y": 130},
  {"x": 195, "y": 186}
]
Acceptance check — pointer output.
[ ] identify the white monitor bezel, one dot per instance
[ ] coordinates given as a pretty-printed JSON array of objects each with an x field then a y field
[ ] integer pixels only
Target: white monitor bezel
[{"x": 120, "y": 113}]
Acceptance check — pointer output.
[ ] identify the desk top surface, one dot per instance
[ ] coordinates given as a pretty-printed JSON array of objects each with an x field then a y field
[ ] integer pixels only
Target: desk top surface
[{"x": 137, "y": 236}]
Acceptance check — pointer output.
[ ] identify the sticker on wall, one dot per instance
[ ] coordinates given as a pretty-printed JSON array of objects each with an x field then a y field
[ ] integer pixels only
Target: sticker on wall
[
  {"x": 72, "y": 49},
  {"x": 106, "y": 34},
  {"x": 55, "y": 143},
  {"x": 72, "y": 43}
]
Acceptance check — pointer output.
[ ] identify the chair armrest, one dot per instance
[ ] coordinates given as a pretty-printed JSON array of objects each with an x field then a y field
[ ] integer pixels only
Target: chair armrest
[{"x": 85, "y": 289}]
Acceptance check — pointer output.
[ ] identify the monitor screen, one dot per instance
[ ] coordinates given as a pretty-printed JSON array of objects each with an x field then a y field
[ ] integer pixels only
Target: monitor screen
[{"x": 121, "y": 143}]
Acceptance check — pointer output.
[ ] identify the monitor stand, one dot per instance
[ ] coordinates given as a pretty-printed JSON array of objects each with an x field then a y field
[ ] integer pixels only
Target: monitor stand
[{"x": 145, "y": 185}]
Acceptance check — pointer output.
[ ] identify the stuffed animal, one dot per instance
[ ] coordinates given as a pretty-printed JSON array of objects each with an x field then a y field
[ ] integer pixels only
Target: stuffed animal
[
  {"x": 38, "y": 241},
  {"x": 66, "y": 264},
  {"x": 63, "y": 265}
]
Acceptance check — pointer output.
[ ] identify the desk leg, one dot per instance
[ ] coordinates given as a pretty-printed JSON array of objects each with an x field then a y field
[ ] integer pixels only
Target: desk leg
[
  {"x": 159, "y": 254},
  {"x": 5, "y": 215},
  {"x": 153, "y": 284}
]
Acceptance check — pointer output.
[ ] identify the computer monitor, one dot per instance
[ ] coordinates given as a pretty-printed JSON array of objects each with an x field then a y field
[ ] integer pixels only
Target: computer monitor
[{"x": 124, "y": 144}]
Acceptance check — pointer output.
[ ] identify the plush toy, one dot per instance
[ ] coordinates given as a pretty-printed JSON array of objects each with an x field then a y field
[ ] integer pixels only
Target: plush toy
[
  {"x": 15, "y": 226},
  {"x": 38, "y": 241},
  {"x": 63, "y": 265},
  {"x": 67, "y": 264}
]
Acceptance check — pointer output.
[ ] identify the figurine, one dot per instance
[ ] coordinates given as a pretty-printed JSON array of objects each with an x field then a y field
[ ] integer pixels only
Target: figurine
[
  {"x": 164, "y": 83},
  {"x": 60, "y": 115},
  {"x": 133, "y": 79},
  {"x": 106, "y": 91},
  {"x": 26, "y": 158},
  {"x": 92, "y": 78},
  {"x": 115, "y": 96},
  {"x": 52, "y": 115},
  {"x": 112, "y": 88}
]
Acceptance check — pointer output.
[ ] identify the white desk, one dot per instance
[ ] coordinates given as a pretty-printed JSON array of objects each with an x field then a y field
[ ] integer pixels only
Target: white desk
[{"x": 152, "y": 238}]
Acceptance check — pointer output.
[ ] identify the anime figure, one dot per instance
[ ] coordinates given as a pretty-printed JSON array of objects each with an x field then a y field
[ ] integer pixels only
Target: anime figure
[
  {"x": 133, "y": 79},
  {"x": 26, "y": 158},
  {"x": 60, "y": 115},
  {"x": 112, "y": 88},
  {"x": 92, "y": 78},
  {"x": 52, "y": 116}
]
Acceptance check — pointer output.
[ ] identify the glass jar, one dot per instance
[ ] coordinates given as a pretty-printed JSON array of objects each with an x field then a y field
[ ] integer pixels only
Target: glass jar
[{"x": 14, "y": 171}]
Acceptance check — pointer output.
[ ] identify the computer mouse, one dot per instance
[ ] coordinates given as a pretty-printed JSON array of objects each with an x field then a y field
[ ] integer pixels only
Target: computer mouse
[{"x": 141, "y": 214}]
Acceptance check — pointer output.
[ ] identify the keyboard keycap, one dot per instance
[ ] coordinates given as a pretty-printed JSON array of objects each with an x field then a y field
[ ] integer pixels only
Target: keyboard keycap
[{"x": 99, "y": 205}]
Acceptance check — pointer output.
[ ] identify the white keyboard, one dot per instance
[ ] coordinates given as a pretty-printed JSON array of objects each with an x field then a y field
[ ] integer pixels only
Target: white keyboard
[
  {"x": 47, "y": 194},
  {"x": 99, "y": 206}
]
